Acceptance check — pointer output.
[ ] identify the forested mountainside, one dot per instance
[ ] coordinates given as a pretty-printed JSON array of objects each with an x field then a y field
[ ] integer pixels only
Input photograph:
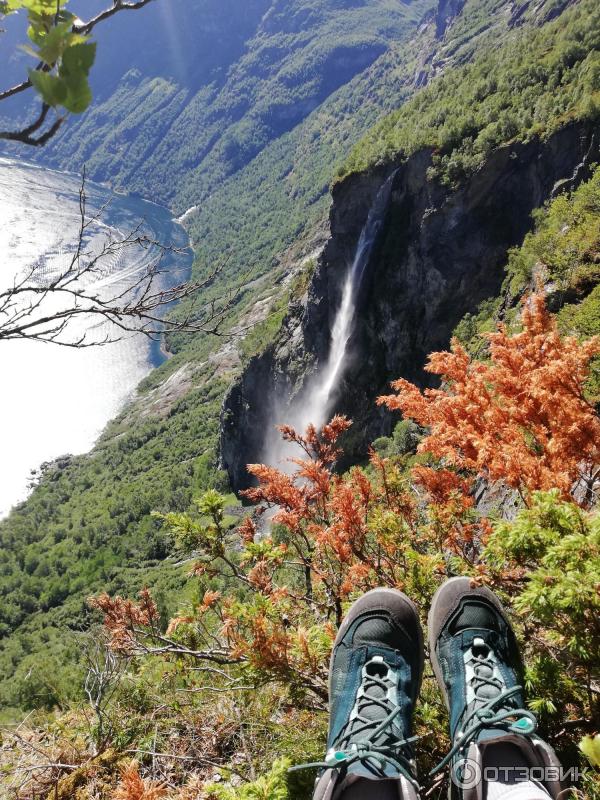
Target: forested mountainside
[
  {"x": 89, "y": 525},
  {"x": 180, "y": 121},
  {"x": 474, "y": 157},
  {"x": 209, "y": 36}
]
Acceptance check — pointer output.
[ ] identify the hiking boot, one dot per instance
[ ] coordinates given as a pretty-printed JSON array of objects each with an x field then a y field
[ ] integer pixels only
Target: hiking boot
[
  {"x": 374, "y": 679},
  {"x": 476, "y": 661}
]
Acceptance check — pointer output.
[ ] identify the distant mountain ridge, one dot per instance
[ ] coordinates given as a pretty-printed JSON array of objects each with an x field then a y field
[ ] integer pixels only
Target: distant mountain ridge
[{"x": 189, "y": 91}]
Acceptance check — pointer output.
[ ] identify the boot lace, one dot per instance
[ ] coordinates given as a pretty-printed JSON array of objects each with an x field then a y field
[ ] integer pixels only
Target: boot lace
[
  {"x": 370, "y": 736},
  {"x": 491, "y": 703}
]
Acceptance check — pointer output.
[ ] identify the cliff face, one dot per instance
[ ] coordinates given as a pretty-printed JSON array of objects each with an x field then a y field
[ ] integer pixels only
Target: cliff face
[
  {"x": 441, "y": 253},
  {"x": 447, "y": 11}
]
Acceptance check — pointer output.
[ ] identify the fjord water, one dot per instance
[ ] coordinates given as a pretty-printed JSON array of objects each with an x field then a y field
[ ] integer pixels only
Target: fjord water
[
  {"x": 56, "y": 400},
  {"x": 316, "y": 402}
]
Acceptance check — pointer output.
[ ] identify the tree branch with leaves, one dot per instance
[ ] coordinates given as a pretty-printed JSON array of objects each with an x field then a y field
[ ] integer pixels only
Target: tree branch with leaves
[{"x": 61, "y": 44}]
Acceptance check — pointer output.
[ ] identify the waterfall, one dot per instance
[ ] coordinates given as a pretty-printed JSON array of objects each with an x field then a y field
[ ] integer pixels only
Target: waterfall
[{"x": 315, "y": 403}]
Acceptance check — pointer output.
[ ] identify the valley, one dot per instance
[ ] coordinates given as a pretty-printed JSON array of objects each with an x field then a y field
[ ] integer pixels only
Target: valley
[{"x": 365, "y": 183}]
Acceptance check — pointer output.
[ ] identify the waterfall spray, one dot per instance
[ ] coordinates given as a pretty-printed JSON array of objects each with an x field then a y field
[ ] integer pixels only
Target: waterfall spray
[{"x": 315, "y": 402}]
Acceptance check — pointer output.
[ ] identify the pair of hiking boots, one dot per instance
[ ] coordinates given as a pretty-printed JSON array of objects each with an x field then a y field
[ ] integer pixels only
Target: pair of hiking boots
[{"x": 375, "y": 676}]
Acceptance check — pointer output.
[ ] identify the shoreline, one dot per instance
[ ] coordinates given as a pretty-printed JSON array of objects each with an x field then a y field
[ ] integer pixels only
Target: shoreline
[{"x": 118, "y": 372}]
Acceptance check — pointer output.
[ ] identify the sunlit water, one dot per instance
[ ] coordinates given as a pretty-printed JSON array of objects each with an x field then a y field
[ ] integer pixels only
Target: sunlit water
[{"x": 56, "y": 400}]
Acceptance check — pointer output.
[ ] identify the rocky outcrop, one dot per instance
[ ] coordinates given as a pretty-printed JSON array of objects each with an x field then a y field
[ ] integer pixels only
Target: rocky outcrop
[
  {"x": 441, "y": 254},
  {"x": 446, "y": 11}
]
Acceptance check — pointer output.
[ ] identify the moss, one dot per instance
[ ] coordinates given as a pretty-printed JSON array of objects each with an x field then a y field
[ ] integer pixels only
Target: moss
[
  {"x": 565, "y": 243},
  {"x": 582, "y": 319},
  {"x": 403, "y": 441},
  {"x": 265, "y": 332},
  {"x": 106, "y": 764},
  {"x": 472, "y": 327}
]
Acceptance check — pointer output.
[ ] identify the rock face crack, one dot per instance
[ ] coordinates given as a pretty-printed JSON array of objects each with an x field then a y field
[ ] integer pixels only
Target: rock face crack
[{"x": 442, "y": 252}]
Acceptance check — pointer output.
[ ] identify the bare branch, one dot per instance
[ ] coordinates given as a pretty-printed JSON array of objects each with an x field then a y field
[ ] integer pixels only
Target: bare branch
[
  {"x": 105, "y": 671},
  {"x": 92, "y": 301},
  {"x": 86, "y": 27},
  {"x": 21, "y": 87},
  {"x": 26, "y": 134}
]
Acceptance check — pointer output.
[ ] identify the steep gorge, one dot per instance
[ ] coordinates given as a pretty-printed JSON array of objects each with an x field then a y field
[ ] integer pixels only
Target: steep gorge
[
  {"x": 89, "y": 525},
  {"x": 442, "y": 252}
]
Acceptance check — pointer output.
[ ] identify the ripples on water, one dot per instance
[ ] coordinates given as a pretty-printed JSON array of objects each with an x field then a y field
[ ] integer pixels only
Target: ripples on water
[{"x": 56, "y": 400}]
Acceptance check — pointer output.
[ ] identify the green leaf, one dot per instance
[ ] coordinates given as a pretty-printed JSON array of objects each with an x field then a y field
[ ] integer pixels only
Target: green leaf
[
  {"x": 212, "y": 504},
  {"x": 44, "y": 7},
  {"x": 29, "y": 50},
  {"x": 79, "y": 94},
  {"x": 53, "y": 43},
  {"x": 75, "y": 66},
  {"x": 590, "y": 747},
  {"x": 52, "y": 88},
  {"x": 42, "y": 25},
  {"x": 79, "y": 58}
]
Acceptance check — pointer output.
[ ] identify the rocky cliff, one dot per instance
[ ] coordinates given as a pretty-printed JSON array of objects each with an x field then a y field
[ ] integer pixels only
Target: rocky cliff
[{"x": 441, "y": 253}]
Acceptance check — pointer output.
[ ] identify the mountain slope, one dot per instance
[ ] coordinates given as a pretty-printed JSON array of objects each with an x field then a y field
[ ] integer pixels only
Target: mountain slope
[
  {"x": 173, "y": 130},
  {"x": 88, "y": 525}
]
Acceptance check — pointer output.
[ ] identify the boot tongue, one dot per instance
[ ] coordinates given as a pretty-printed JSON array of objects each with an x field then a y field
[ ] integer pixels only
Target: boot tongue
[
  {"x": 483, "y": 671},
  {"x": 474, "y": 614},
  {"x": 375, "y": 702},
  {"x": 478, "y": 618}
]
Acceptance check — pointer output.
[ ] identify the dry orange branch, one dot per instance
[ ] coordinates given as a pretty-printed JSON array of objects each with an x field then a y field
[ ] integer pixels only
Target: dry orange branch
[{"x": 522, "y": 418}]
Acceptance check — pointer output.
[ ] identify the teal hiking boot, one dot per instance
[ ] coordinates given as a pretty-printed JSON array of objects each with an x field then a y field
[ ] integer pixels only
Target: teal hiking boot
[
  {"x": 476, "y": 660},
  {"x": 374, "y": 679}
]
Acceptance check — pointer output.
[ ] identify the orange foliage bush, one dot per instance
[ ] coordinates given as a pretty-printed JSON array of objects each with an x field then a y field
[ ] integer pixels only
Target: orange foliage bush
[
  {"x": 522, "y": 418},
  {"x": 332, "y": 536},
  {"x": 133, "y": 787},
  {"x": 121, "y": 617}
]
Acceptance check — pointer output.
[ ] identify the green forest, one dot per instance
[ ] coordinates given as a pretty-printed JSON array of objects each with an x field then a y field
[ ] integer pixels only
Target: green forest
[{"x": 162, "y": 635}]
